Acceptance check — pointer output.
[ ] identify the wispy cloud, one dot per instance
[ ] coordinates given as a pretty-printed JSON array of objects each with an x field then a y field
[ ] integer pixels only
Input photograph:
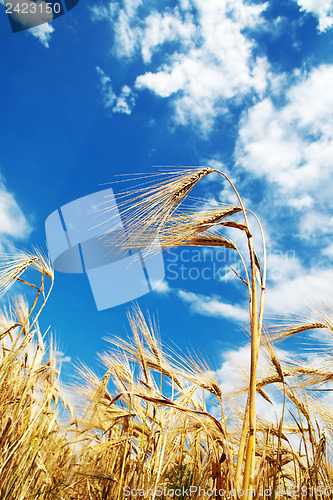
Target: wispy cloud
[
  {"x": 43, "y": 32},
  {"x": 123, "y": 103},
  {"x": 61, "y": 357},
  {"x": 212, "y": 306},
  {"x": 126, "y": 27}
]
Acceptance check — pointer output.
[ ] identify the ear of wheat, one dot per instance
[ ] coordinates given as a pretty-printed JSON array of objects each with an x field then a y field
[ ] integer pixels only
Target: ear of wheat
[{"x": 145, "y": 210}]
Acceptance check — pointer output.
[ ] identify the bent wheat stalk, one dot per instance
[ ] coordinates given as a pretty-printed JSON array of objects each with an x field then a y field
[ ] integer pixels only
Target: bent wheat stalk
[
  {"x": 256, "y": 324},
  {"x": 151, "y": 217}
]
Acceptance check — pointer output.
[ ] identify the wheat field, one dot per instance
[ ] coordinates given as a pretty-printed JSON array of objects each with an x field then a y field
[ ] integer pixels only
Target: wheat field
[{"x": 157, "y": 424}]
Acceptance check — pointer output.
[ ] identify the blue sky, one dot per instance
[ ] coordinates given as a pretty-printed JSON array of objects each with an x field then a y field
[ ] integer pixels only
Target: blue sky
[{"x": 115, "y": 88}]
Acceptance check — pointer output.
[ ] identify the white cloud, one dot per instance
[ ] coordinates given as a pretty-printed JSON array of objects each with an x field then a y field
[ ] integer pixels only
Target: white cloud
[
  {"x": 207, "y": 60},
  {"x": 321, "y": 9},
  {"x": 61, "y": 357},
  {"x": 282, "y": 266},
  {"x": 203, "y": 78},
  {"x": 328, "y": 251},
  {"x": 43, "y": 32},
  {"x": 13, "y": 223},
  {"x": 291, "y": 147},
  {"x": 316, "y": 223},
  {"x": 101, "y": 12},
  {"x": 166, "y": 27},
  {"x": 161, "y": 287},
  {"x": 123, "y": 21},
  {"x": 234, "y": 370},
  {"x": 302, "y": 202},
  {"x": 211, "y": 306},
  {"x": 291, "y": 288},
  {"x": 125, "y": 35},
  {"x": 109, "y": 96},
  {"x": 123, "y": 103},
  {"x": 302, "y": 288},
  {"x": 233, "y": 376}
]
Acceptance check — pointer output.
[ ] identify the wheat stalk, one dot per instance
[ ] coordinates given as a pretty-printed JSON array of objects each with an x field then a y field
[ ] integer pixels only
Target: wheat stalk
[{"x": 150, "y": 220}]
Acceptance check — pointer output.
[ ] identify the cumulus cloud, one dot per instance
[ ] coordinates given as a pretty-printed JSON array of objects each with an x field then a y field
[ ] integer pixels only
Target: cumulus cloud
[
  {"x": 321, "y": 9},
  {"x": 204, "y": 77},
  {"x": 208, "y": 60},
  {"x": 292, "y": 144},
  {"x": 165, "y": 27},
  {"x": 289, "y": 143},
  {"x": 123, "y": 103}
]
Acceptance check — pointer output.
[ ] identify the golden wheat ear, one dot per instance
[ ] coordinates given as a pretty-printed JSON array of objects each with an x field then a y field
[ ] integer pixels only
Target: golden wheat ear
[
  {"x": 145, "y": 210},
  {"x": 209, "y": 239},
  {"x": 14, "y": 264},
  {"x": 193, "y": 229}
]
